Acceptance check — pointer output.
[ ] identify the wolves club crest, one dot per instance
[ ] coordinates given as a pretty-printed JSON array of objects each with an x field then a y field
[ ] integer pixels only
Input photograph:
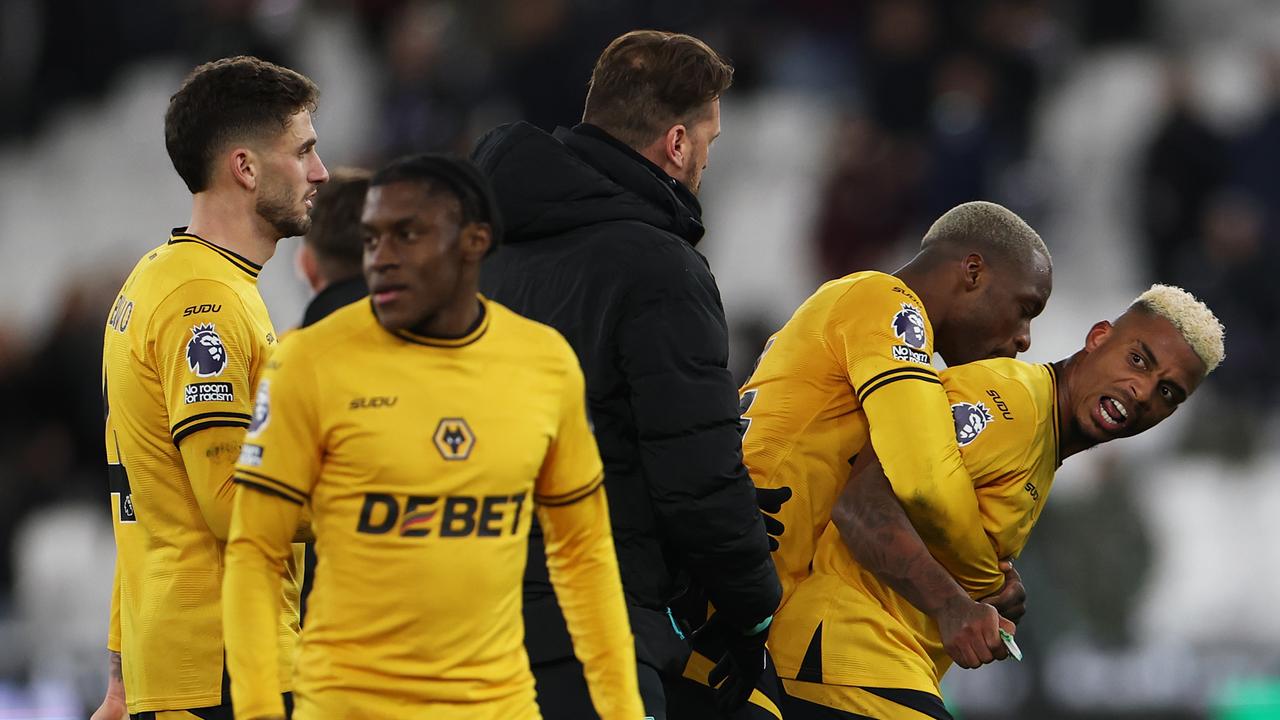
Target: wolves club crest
[
  {"x": 205, "y": 354},
  {"x": 970, "y": 421},
  {"x": 908, "y": 325}
]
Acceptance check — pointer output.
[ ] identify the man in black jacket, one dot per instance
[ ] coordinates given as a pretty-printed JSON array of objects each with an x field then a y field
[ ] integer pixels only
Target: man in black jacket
[
  {"x": 331, "y": 251},
  {"x": 602, "y": 222}
]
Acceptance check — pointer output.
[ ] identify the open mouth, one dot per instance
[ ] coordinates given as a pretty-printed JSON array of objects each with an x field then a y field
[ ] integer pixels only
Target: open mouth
[{"x": 1113, "y": 413}]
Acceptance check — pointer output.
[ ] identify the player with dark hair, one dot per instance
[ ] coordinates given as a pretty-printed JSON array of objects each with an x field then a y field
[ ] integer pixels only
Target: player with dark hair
[
  {"x": 425, "y": 429},
  {"x": 329, "y": 259},
  {"x": 603, "y": 219},
  {"x": 329, "y": 256},
  {"x": 185, "y": 342},
  {"x": 852, "y": 642}
]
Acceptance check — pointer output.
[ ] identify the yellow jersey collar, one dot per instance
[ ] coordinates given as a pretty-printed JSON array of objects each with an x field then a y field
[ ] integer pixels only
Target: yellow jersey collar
[
  {"x": 475, "y": 333},
  {"x": 250, "y": 268}
]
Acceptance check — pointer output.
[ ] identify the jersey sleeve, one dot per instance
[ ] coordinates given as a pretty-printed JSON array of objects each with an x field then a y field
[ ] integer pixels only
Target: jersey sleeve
[
  {"x": 281, "y": 451},
  {"x": 278, "y": 465},
  {"x": 262, "y": 525},
  {"x": 581, "y": 558},
  {"x": 572, "y": 468},
  {"x": 995, "y": 419},
  {"x": 205, "y": 352},
  {"x": 113, "y": 620},
  {"x": 880, "y": 332}
]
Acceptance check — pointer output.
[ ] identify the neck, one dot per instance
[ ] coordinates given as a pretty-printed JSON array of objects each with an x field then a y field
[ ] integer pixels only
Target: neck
[
  {"x": 924, "y": 280},
  {"x": 1071, "y": 439},
  {"x": 229, "y": 224},
  {"x": 452, "y": 321},
  {"x": 655, "y": 155}
]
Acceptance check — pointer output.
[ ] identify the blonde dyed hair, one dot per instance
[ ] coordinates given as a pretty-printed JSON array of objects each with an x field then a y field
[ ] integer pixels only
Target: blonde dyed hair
[
  {"x": 995, "y": 226},
  {"x": 1193, "y": 319}
]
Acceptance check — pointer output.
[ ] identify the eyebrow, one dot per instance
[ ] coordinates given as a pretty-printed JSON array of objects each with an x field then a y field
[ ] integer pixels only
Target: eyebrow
[
  {"x": 1147, "y": 349},
  {"x": 1150, "y": 354}
]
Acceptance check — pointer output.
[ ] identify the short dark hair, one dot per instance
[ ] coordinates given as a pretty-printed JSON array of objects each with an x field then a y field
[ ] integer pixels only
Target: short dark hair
[
  {"x": 334, "y": 236},
  {"x": 225, "y": 101},
  {"x": 456, "y": 176},
  {"x": 648, "y": 80}
]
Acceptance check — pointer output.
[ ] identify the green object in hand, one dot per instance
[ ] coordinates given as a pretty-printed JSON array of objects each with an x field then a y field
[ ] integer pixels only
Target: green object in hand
[{"x": 1009, "y": 643}]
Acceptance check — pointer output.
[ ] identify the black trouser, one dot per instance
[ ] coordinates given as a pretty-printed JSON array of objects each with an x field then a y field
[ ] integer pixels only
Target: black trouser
[{"x": 563, "y": 695}]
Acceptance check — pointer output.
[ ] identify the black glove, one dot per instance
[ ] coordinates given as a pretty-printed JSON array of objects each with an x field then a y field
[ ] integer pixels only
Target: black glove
[
  {"x": 770, "y": 501},
  {"x": 740, "y": 666}
]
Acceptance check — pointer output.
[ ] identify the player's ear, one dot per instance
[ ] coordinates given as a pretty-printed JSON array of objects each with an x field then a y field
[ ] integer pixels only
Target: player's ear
[
  {"x": 1097, "y": 334},
  {"x": 244, "y": 167},
  {"x": 308, "y": 267},
  {"x": 972, "y": 269},
  {"x": 676, "y": 145},
  {"x": 476, "y": 238}
]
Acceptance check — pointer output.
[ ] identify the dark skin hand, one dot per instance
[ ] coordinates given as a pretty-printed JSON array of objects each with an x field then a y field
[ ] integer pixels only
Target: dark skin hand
[
  {"x": 882, "y": 539},
  {"x": 1011, "y": 601}
]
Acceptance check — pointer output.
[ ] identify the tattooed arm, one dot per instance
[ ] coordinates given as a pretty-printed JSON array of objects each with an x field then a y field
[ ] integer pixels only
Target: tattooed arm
[
  {"x": 881, "y": 538},
  {"x": 113, "y": 705}
]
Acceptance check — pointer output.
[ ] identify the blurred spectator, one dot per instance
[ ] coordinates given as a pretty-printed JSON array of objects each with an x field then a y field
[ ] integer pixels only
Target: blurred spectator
[
  {"x": 436, "y": 74},
  {"x": 1183, "y": 169},
  {"x": 52, "y": 449},
  {"x": 964, "y": 149},
  {"x": 1233, "y": 270},
  {"x": 871, "y": 198},
  {"x": 900, "y": 53}
]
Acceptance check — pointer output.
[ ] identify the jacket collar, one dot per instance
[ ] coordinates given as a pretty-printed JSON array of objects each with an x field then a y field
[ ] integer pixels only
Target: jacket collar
[{"x": 633, "y": 171}]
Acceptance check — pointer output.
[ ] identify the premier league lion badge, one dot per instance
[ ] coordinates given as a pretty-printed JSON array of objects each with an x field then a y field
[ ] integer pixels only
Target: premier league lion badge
[
  {"x": 908, "y": 325},
  {"x": 261, "y": 408},
  {"x": 205, "y": 354},
  {"x": 970, "y": 421}
]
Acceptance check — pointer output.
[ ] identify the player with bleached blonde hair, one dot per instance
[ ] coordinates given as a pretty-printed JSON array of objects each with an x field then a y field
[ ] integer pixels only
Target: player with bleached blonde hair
[{"x": 851, "y": 643}]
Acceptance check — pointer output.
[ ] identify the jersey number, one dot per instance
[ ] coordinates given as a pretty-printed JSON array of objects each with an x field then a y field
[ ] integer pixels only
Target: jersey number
[{"x": 749, "y": 397}]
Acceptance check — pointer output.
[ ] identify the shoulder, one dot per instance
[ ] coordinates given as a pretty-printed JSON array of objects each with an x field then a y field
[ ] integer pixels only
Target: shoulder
[
  {"x": 191, "y": 301},
  {"x": 538, "y": 345},
  {"x": 1004, "y": 395},
  {"x": 337, "y": 328},
  {"x": 875, "y": 306},
  {"x": 651, "y": 248},
  {"x": 872, "y": 291},
  {"x": 650, "y": 263},
  {"x": 187, "y": 272},
  {"x": 537, "y": 338}
]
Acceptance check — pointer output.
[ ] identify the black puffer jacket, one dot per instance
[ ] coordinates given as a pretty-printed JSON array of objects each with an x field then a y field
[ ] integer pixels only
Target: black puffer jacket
[{"x": 599, "y": 245}]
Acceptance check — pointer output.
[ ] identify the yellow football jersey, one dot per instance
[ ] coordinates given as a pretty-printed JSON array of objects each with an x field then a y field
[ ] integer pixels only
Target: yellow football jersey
[
  {"x": 854, "y": 363},
  {"x": 422, "y": 460},
  {"x": 183, "y": 346},
  {"x": 845, "y": 627}
]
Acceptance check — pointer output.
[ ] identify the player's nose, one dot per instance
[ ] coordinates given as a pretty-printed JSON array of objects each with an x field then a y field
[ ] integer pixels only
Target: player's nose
[
  {"x": 1142, "y": 389},
  {"x": 319, "y": 173},
  {"x": 1022, "y": 339}
]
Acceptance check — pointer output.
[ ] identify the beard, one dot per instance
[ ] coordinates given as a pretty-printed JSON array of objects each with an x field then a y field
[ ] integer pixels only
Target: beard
[{"x": 280, "y": 210}]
